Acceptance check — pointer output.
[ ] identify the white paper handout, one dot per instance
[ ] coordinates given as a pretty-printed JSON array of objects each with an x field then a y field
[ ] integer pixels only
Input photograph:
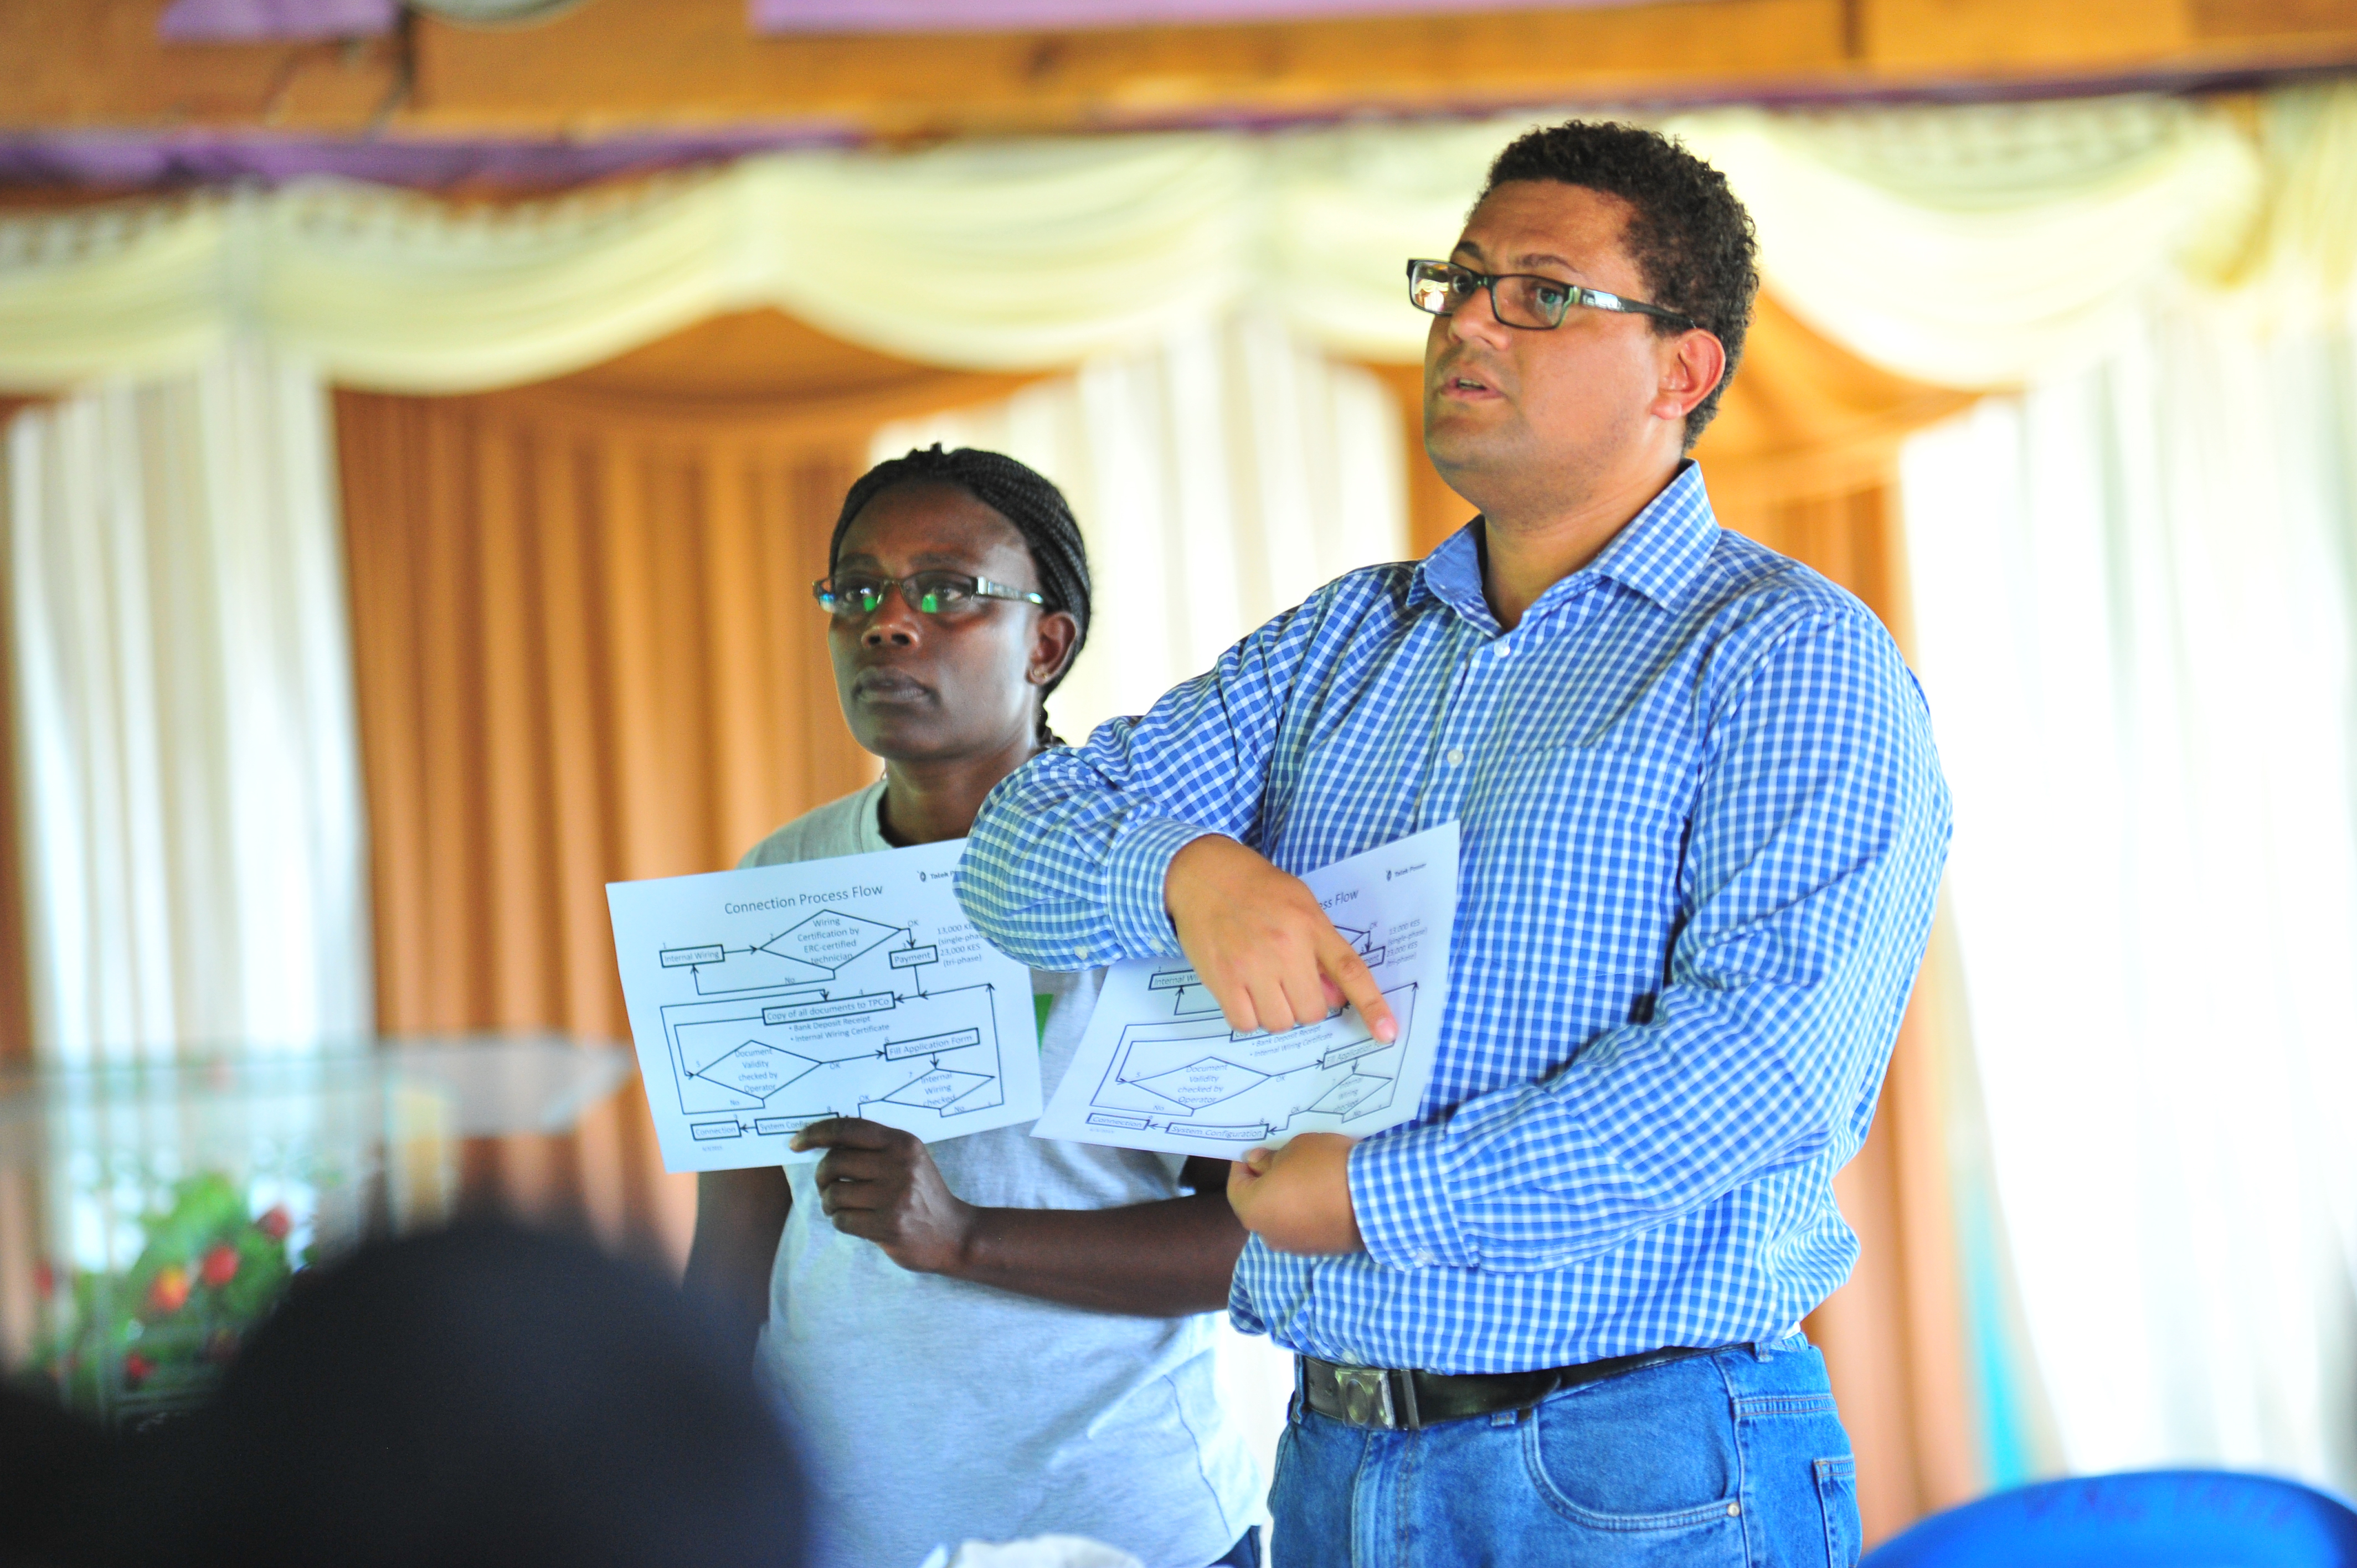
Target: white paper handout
[
  {"x": 765, "y": 999},
  {"x": 1159, "y": 1068}
]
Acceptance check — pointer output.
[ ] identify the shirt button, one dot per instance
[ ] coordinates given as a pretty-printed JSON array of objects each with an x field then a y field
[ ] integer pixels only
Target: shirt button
[
  {"x": 1455, "y": 755},
  {"x": 1505, "y": 649}
]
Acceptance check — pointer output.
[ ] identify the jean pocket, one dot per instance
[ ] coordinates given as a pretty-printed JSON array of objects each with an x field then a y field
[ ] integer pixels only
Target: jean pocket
[
  {"x": 1640, "y": 1455},
  {"x": 1837, "y": 1496}
]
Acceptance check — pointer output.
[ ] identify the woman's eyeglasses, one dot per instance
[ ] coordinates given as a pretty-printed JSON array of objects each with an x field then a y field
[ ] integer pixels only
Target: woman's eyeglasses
[{"x": 849, "y": 595}]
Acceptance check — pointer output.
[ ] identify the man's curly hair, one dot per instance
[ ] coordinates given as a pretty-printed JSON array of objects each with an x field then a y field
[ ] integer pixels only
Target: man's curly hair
[{"x": 1691, "y": 239}]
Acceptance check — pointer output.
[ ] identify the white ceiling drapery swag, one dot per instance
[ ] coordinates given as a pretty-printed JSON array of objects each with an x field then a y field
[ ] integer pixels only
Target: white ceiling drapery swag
[
  {"x": 1975, "y": 247},
  {"x": 1988, "y": 246}
]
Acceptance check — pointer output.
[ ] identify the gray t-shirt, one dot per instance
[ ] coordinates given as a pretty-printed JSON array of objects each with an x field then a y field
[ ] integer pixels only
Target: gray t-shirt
[{"x": 929, "y": 1410}]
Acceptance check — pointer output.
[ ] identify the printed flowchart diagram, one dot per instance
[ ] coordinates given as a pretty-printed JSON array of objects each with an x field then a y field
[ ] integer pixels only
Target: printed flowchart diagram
[
  {"x": 803, "y": 1009},
  {"x": 894, "y": 1011},
  {"x": 1195, "y": 1077},
  {"x": 1160, "y": 1068}
]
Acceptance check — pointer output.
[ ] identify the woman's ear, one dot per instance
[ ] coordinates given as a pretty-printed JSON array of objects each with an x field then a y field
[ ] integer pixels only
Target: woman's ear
[{"x": 1053, "y": 641}]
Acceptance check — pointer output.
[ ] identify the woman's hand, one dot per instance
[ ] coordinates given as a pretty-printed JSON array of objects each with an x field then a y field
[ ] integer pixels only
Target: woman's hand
[
  {"x": 1163, "y": 1259},
  {"x": 881, "y": 1184}
]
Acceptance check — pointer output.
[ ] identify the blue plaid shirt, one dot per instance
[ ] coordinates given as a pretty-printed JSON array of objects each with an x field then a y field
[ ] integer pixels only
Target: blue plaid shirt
[{"x": 1703, "y": 822}]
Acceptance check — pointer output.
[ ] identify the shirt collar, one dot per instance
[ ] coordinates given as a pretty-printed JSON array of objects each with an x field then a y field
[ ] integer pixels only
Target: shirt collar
[{"x": 1658, "y": 554}]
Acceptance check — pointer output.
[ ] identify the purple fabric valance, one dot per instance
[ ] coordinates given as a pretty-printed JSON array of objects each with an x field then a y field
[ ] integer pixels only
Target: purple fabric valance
[
  {"x": 1006, "y": 16},
  {"x": 257, "y": 21},
  {"x": 235, "y": 21}
]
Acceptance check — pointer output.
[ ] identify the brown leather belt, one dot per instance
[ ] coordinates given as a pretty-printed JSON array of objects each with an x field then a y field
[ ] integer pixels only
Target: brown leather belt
[{"x": 1388, "y": 1397}]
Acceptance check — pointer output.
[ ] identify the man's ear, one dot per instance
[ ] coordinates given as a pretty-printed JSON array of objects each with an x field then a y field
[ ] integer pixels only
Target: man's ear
[
  {"x": 1053, "y": 641},
  {"x": 1692, "y": 364}
]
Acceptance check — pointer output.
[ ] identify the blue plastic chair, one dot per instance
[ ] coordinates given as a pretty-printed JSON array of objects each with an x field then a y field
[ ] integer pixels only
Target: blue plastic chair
[{"x": 2151, "y": 1518}]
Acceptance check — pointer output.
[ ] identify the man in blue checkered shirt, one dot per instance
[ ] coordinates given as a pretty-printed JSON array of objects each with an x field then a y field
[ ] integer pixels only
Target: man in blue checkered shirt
[{"x": 1554, "y": 1319}]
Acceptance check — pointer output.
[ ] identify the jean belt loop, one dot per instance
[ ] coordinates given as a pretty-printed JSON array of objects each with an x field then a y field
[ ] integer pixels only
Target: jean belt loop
[
  {"x": 1404, "y": 1401},
  {"x": 1299, "y": 1406}
]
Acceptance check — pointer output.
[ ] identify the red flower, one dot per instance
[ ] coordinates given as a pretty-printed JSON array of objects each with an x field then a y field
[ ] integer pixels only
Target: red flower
[
  {"x": 169, "y": 1291},
  {"x": 136, "y": 1367},
  {"x": 220, "y": 1266},
  {"x": 275, "y": 1223}
]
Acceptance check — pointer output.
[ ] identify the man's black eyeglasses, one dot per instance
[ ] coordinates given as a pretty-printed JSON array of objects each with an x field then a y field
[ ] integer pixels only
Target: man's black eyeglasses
[
  {"x": 849, "y": 593},
  {"x": 1519, "y": 299}
]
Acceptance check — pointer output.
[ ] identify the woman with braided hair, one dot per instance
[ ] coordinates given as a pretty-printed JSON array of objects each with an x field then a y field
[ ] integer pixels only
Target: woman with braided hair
[{"x": 995, "y": 1336}]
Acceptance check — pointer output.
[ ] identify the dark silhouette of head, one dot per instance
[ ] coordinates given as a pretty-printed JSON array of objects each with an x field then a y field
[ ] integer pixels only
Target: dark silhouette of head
[{"x": 484, "y": 1395}]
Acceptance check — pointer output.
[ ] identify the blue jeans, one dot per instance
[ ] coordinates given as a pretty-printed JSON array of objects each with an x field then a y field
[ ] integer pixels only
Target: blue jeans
[
  {"x": 1244, "y": 1553},
  {"x": 1733, "y": 1460}
]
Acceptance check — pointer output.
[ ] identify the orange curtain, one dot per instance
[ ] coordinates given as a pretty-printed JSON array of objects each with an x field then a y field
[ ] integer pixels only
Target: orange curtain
[
  {"x": 584, "y": 652},
  {"x": 20, "y": 1183},
  {"x": 15, "y": 977},
  {"x": 1802, "y": 458}
]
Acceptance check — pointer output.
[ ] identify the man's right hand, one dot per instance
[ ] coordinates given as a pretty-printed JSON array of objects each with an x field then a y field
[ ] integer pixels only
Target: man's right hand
[{"x": 1263, "y": 946}]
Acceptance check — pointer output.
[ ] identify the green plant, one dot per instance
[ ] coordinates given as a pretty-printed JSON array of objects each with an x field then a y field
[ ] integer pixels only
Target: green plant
[{"x": 156, "y": 1335}]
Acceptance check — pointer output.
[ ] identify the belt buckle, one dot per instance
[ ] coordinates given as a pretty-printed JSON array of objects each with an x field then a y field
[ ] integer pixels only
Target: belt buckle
[{"x": 1366, "y": 1396}]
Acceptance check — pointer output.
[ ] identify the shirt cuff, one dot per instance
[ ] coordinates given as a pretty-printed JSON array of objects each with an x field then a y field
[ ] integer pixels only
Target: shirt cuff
[
  {"x": 1399, "y": 1191},
  {"x": 1135, "y": 872}
]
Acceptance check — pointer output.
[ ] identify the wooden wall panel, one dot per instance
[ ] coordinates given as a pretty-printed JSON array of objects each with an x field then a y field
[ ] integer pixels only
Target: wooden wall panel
[
  {"x": 620, "y": 65},
  {"x": 586, "y": 67}
]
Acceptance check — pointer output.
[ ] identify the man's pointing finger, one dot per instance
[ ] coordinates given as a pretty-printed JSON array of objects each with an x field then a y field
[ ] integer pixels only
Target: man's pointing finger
[{"x": 1350, "y": 972}]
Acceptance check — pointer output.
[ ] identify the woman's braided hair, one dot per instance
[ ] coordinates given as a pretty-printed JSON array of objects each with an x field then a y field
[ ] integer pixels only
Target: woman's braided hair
[{"x": 1026, "y": 498}]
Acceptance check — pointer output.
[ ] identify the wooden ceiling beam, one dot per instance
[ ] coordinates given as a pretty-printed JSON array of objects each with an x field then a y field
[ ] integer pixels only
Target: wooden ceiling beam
[
  {"x": 1037, "y": 81},
  {"x": 615, "y": 66}
]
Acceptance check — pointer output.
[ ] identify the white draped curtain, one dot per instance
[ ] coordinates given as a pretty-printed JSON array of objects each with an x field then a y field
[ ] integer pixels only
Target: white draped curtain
[
  {"x": 2137, "y": 621},
  {"x": 188, "y": 791},
  {"x": 1219, "y": 478}
]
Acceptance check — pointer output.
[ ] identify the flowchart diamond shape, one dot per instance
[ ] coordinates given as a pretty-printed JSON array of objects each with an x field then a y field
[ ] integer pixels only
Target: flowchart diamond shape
[
  {"x": 830, "y": 939},
  {"x": 1344, "y": 1097},
  {"x": 758, "y": 1069},
  {"x": 938, "y": 1088},
  {"x": 1206, "y": 1081}
]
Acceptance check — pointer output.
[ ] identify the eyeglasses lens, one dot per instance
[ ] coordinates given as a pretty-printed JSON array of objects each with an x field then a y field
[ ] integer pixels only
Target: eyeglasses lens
[
  {"x": 1519, "y": 301},
  {"x": 1531, "y": 302},
  {"x": 930, "y": 593},
  {"x": 1439, "y": 290},
  {"x": 940, "y": 593}
]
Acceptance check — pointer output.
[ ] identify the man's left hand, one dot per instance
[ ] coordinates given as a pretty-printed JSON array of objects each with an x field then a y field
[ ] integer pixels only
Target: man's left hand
[
  {"x": 881, "y": 1183},
  {"x": 1297, "y": 1198}
]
